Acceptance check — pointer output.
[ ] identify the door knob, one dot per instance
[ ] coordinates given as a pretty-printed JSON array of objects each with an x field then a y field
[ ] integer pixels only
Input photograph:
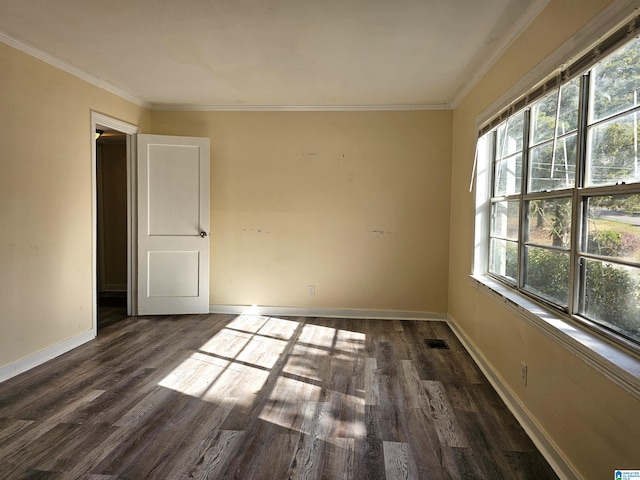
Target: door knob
[{"x": 203, "y": 234}]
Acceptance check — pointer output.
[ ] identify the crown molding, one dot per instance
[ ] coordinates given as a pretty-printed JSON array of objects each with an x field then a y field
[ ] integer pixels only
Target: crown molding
[
  {"x": 296, "y": 108},
  {"x": 81, "y": 74},
  {"x": 503, "y": 44},
  {"x": 70, "y": 69}
]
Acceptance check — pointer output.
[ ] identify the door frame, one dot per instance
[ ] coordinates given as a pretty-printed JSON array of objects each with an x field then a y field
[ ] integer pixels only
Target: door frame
[{"x": 101, "y": 121}]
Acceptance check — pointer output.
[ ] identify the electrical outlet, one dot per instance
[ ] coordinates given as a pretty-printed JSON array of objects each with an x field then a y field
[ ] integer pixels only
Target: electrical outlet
[
  {"x": 312, "y": 290},
  {"x": 523, "y": 373}
]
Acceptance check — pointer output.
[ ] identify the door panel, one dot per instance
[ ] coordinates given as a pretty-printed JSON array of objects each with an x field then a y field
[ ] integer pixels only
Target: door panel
[
  {"x": 174, "y": 190},
  {"x": 173, "y": 274},
  {"x": 173, "y": 225}
]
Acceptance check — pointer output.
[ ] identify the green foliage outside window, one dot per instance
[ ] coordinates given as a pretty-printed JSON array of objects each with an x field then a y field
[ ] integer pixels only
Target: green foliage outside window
[
  {"x": 616, "y": 82},
  {"x": 612, "y": 296},
  {"x": 548, "y": 274}
]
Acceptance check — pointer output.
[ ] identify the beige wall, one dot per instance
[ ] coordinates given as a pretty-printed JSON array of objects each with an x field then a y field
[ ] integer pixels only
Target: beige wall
[
  {"x": 591, "y": 420},
  {"x": 355, "y": 203},
  {"x": 45, "y": 202}
]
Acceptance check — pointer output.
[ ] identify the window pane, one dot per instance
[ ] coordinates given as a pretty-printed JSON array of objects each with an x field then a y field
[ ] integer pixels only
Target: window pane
[
  {"x": 612, "y": 296},
  {"x": 553, "y": 173},
  {"x": 569, "y": 103},
  {"x": 508, "y": 175},
  {"x": 547, "y": 274},
  {"x": 503, "y": 258},
  {"x": 511, "y": 142},
  {"x": 543, "y": 119},
  {"x": 505, "y": 218},
  {"x": 613, "y": 226},
  {"x": 550, "y": 222},
  {"x": 543, "y": 113},
  {"x": 613, "y": 148},
  {"x": 616, "y": 82}
]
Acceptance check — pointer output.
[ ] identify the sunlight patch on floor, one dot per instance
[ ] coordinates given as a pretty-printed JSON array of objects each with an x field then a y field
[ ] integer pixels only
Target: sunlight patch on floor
[
  {"x": 235, "y": 366},
  {"x": 241, "y": 382},
  {"x": 195, "y": 375},
  {"x": 236, "y": 362},
  {"x": 285, "y": 400}
]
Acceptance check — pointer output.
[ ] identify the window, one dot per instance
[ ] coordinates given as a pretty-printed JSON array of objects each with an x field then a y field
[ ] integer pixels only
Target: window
[{"x": 564, "y": 223}]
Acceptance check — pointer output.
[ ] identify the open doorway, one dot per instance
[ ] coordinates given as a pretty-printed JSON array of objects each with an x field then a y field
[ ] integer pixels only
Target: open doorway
[
  {"x": 114, "y": 219},
  {"x": 111, "y": 254}
]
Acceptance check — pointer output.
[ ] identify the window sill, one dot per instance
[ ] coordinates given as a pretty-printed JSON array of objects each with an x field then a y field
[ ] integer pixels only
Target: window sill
[{"x": 613, "y": 361}]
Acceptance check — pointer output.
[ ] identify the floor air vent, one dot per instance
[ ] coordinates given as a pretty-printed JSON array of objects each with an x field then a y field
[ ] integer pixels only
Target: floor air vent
[{"x": 436, "y": 343}]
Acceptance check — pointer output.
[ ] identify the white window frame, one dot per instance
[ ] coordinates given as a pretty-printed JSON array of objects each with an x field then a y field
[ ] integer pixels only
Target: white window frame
[{"x": 619, "y": 361}]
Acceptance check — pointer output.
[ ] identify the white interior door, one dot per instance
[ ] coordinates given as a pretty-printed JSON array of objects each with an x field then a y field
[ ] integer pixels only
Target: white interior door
[{"x": 173, "y": 225}]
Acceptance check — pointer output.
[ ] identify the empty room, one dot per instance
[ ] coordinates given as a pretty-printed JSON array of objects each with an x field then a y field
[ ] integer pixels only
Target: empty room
[{"x": 344, "y": 239}]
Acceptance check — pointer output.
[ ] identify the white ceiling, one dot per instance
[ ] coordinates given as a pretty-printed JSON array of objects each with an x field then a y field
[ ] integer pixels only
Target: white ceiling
[{"x": 272, "y": 53}]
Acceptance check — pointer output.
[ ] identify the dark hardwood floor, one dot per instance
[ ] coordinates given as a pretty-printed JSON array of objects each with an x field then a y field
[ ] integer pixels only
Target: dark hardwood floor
[{"x": 250, "y": 397}]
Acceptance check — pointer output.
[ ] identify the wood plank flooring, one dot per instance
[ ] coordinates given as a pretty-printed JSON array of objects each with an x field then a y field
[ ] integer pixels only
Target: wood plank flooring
[{"x": 251, "y": 397}]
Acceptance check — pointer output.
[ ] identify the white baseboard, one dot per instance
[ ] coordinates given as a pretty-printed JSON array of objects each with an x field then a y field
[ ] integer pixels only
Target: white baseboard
[
  {"x": 542, "y": 441},
  {"x": 326, "y": 312},
  {"x": 27, "y": 363}
]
